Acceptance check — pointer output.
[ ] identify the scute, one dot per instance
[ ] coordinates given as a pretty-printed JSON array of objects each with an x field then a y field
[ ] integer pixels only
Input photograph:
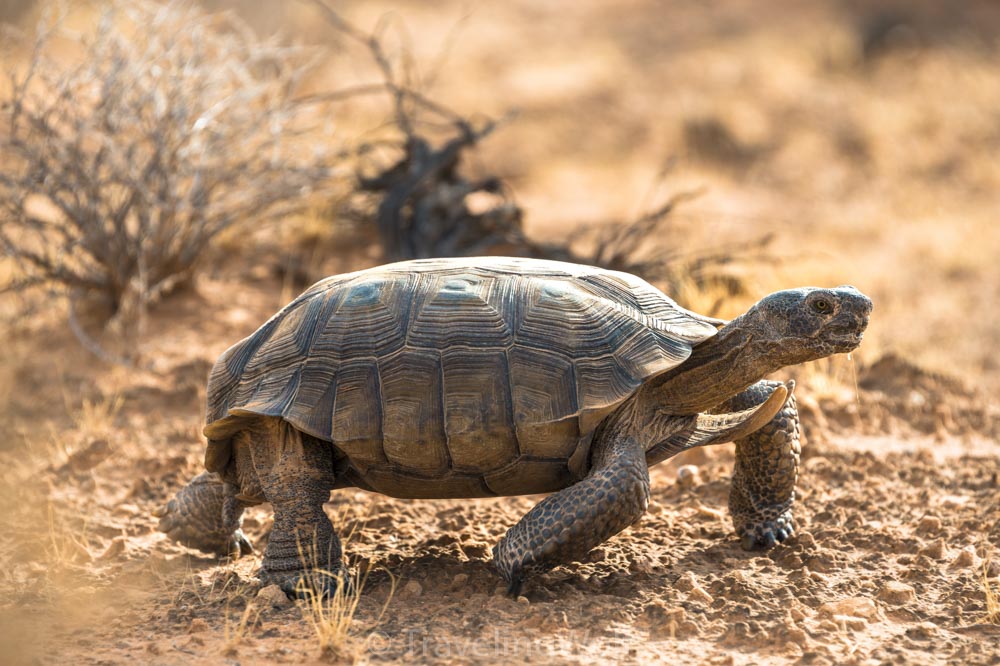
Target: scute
[{"x": 445, "y": 368}]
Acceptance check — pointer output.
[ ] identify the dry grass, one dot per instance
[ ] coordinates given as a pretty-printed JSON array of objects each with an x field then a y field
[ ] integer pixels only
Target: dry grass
[
  {"x": 332, "y": 617},
  {"x": 237, "y": 631},
  {"x": 991, "y": 589}
]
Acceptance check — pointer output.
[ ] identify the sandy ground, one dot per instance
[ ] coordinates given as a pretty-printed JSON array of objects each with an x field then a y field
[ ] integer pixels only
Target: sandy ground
[
  {"x": 898, "y": 506},
  {"x": 879, "y": 170}
]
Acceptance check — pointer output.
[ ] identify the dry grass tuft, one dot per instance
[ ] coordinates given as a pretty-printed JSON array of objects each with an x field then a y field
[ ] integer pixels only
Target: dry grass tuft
[
  {"x": 236, "y": 632},
  {"x": 332, "y": 616},
  {"x": 991, "y": 588}
]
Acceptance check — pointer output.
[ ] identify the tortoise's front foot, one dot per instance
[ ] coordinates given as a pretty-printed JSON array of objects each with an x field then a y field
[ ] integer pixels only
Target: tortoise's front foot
[
  {"x": 510, "y": 564},
  {"x": 205, "y": 515},
  {"x": 765, "y": 533}
]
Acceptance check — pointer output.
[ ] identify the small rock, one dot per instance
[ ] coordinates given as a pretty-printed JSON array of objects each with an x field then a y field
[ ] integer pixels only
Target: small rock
[
  {"x": 459, "y": 580},
  {"x": 411, "y": 590},
  {"x": 966, "y": 558},
  {"x": 114, "y": 549},
  {"x": 475, "y": 549},
  {"x": 924, "y": 630},
  {"x": 698, "y": 593},
  {"x": 953, "y": 501},
  {"x": 688, "y": 476},
  {"x": 849, "y": 622},
  {"x": 523, "y": 600},
  {"x": 806, "y": 540},
  {"x": 198, "y": 624},
  {"x": 852, "y": 606},
  {"x": 273, "y": 596},
  {"x": 935, "y": 551},
  {"x": 686, "y": 581},
  {"x": 897, "y": 594},
  {"x": 654, "y": 508},
  {"x": 710, "y": 513},
  {"x": 929, "y": 525}
]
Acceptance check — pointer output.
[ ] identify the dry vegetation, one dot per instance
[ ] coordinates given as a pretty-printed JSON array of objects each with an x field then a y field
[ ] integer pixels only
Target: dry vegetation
[{"x": 860, "y": 142}]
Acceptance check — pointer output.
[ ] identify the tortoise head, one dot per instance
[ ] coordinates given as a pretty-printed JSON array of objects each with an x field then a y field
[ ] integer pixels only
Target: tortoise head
[{"x": 810, "y": 323}]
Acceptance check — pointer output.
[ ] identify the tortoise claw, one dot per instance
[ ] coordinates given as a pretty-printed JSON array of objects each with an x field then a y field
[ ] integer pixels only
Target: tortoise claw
[
  {"x": 310, "y": 585},
  {"x": 767, "y": 534}
]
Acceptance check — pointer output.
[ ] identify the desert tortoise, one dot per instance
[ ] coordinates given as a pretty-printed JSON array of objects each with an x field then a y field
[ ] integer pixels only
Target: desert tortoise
[{"x": 489, "y": 376}]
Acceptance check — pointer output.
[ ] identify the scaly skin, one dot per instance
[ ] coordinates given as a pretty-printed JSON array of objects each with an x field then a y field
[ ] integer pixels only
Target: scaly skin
[
  {"x": 767, "y": 467},
  {"x": 206, "y": 515},
  {"x": 566, "y": 525},
  {"x": 295, "y": 473}
]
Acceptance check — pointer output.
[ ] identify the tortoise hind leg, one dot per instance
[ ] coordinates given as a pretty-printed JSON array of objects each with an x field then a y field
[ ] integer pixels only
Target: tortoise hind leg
[
  {"x": 206, "y": 515},
  {"x": 296, "y": 475},
  {"x": 767, "y": 467},
  {"x": 566, "y": 525}
]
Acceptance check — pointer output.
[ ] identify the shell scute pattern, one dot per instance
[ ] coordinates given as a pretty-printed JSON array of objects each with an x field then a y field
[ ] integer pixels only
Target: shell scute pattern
[{"x": 489, "y": 372}]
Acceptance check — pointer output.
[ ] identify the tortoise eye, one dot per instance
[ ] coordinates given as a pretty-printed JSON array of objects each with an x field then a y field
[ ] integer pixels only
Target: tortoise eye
[{"x": 822, "y": 306}]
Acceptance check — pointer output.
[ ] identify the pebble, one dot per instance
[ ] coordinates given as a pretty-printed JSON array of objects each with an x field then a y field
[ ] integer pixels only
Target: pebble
[
  {"x": 198, "y": 624},
  {"x": 114, "y": 549},
  {"x": 710, "y": 513},
  {"x": 523, "y": 600},
  {"x": 897, "y": 594},
  {"x": 273, "y": 596},
  {"x": 459, "y": 580},
  {"x": 411, "y": 590},
  {"x": 862, "y": 607},
  {"x": 688, "y": 476},
  {"x": 928, "y": 525},
  {"x": 953, "y": 501},
  {"x": 924, "y": 630},
  {"x": 698, "y": 593},
  {"x": 967, "y": 557},
  {"x": 935, "y": 551}
]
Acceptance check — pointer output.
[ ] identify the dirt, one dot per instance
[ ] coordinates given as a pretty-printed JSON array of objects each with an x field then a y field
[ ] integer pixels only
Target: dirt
[
  {"x": 895, "y": 514},
  {"x": 837, "y": 130}
]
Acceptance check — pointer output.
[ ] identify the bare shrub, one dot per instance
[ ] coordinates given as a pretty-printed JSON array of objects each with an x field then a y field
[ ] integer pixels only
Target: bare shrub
[
  {"x": 120, "y": 170},
  {"x": 421, "y": 202}
]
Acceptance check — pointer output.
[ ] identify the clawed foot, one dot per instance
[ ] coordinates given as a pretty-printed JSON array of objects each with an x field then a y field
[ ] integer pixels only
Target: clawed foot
[
  {"x": 311, "y": 584},
  {"x": 195, "y": 518},
  {"x": 766, "y": 534},
  {"x": 239, "y": 545}
]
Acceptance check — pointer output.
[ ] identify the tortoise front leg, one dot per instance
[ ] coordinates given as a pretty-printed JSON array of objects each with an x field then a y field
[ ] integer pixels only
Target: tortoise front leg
[
  {"x": 767, "y": 467},
  {"x": 296, "y": 476},
  {"x": 566, "y": 525}
]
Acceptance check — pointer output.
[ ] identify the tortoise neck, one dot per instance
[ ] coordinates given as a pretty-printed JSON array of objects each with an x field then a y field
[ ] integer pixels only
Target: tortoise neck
[{"x": 717, "y": 369}]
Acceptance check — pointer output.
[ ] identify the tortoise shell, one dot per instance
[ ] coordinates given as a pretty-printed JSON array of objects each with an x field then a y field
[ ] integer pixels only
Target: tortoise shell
[{"x": 453, "y": 377}]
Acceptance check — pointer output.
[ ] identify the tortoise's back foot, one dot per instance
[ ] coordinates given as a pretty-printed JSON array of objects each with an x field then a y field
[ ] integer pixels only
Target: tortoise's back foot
[
  {"x": 206, "y": 515},
  {"x": 311, "y": 584}
]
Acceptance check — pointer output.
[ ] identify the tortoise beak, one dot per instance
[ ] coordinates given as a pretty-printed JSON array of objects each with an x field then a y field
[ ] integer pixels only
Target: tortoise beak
[{"x": 848, "y": 328}]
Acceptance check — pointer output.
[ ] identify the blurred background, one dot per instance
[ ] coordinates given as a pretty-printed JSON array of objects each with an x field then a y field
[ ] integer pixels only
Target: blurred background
[{"x": 855, "y": 141}]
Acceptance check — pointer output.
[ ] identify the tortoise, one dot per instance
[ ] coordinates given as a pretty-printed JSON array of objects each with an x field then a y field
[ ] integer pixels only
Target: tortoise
[{"x": 494, "y": 376}]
